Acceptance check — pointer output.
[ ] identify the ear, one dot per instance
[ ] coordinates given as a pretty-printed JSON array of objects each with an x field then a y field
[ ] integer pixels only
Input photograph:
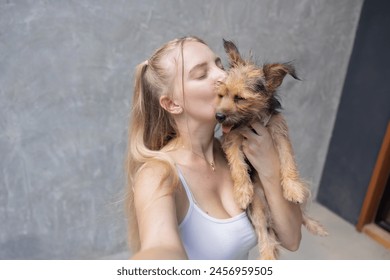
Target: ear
[
  {"x": 275, "y": 73},
  {"x": 233, "y": 54},
  {"x": 170, "y": 106}
]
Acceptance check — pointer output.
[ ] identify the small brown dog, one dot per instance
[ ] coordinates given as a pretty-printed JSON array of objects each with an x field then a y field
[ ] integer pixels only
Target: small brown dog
[{"x": 249, "y": 94}]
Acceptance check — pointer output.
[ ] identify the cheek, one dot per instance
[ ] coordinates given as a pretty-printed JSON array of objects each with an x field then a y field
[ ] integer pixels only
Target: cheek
[
  {"x": 201, "y": 91},
  {"x": 203, "y": 100}
]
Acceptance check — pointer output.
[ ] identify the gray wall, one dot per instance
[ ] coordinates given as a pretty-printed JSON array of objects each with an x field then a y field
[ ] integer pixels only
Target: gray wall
[{"x": 65, "y": 90}]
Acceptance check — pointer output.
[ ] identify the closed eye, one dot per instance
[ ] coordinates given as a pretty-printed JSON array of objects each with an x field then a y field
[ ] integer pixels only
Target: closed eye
[
  {"x": 199, "y": 71},
  {"x": 202, "y": 76},
  {"x": 238, "y": 98}
]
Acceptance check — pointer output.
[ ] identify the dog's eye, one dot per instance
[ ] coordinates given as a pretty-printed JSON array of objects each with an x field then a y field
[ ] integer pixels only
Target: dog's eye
[
  {"x": 259, "y": 86},
  {"x": 220, "y": 96},
  {"x": 238, "y": 98}
]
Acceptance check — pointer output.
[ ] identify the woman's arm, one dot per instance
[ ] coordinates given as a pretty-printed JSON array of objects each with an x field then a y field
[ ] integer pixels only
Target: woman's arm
[
  {"x": 260, "y": 151},
  {"x": 156, "y": 215}
]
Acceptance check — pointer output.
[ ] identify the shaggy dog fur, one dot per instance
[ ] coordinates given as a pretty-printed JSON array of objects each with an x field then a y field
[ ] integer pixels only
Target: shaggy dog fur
[{"x": 249, "y": 94}]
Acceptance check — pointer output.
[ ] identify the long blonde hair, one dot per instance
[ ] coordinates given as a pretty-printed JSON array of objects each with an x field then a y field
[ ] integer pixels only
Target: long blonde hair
[{"x": 151, "y": 126}]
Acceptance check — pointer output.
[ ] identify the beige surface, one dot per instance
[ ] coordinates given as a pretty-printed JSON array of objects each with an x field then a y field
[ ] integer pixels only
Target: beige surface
[{"x": 343, "y": 242}]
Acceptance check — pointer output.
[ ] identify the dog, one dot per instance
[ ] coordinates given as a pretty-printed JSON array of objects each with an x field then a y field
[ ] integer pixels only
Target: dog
[{"x": 249, "y": 93}]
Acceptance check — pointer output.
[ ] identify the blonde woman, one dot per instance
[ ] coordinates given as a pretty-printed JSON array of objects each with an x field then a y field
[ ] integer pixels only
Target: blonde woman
[{"x": 180, "y": 201}]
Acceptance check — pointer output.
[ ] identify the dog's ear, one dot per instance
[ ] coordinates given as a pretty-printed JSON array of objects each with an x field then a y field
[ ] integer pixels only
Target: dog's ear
[
  {"x": 233, "y": 54},
  {"x": 275, "y": 73}
]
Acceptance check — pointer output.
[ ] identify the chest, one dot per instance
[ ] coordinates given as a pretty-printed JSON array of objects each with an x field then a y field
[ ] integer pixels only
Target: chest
[{"x": 211, "y": 191}]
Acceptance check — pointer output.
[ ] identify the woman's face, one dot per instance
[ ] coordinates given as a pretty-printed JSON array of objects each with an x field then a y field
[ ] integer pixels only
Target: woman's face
[{"x": 202, "y": 70}]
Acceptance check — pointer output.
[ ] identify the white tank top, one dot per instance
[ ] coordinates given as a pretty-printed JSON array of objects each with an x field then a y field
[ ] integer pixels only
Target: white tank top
[{"x": 208, "y": 238}]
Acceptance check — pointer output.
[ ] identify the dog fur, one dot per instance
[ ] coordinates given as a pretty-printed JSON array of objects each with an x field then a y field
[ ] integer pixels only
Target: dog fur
[{"x": 247, "y": 94}]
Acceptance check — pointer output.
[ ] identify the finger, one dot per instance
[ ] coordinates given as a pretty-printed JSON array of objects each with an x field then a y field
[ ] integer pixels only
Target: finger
[
  {"x": 246, "y": 132},
  {"x": 258, "y": 128},
  {"x": 244, "y": 146}
]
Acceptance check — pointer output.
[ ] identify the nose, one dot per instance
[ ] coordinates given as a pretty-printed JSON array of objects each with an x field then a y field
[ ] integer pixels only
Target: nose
[
  {"x": 220, "y": 117},
  {"x": 221, "y": 75}
]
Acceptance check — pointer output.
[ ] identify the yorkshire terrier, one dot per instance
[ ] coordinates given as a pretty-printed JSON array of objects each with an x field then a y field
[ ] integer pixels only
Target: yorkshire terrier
[{"x": 248, "y": 94}]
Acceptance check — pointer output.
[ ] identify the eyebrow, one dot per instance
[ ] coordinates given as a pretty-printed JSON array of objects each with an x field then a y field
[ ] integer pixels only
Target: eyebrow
[{"x": 197, "y": 67}]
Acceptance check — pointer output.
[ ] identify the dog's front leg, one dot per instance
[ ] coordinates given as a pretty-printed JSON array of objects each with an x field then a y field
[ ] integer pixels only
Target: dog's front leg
[
  {"x": 294, "y": 188},
  {"x": 242, "y": 185}
]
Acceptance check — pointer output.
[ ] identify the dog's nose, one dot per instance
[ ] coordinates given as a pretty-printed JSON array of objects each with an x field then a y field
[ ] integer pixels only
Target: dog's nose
[{"x": 220, "y": 117}]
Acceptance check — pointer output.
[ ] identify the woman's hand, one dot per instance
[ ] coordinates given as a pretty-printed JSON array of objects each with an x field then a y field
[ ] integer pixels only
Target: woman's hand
[{"x": 259, "y": 148}]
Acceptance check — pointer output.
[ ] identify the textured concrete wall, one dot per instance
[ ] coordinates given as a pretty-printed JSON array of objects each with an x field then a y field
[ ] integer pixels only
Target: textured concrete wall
[{"x": 65, "y": 88}]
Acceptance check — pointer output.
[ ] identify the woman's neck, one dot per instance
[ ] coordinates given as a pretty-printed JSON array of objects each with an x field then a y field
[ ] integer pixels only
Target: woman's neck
[
  {"x": 203, "y": 146},
  {"x": 196, "y": 140},
  {"x": 195, "y": 145}
]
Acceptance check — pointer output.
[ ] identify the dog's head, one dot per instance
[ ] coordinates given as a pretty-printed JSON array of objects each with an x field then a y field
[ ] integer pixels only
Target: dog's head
[{"x": 248, "y": 90}]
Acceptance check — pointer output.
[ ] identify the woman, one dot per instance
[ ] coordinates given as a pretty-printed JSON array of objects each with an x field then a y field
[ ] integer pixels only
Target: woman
[{"x": 180, "y": 200}]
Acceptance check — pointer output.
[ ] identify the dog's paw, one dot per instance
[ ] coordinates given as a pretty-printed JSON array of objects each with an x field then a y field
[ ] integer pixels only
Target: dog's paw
[{"x": 294, "y": 191}]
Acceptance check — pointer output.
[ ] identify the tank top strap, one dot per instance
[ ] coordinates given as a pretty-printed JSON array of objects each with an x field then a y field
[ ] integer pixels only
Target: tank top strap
[{"x": 185, "y": 186}]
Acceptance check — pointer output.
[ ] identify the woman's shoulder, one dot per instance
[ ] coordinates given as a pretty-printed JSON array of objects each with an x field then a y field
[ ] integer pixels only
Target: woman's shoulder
[
  {"x": 155, "y": 175},
  {"x": 153, "y": 166}
]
